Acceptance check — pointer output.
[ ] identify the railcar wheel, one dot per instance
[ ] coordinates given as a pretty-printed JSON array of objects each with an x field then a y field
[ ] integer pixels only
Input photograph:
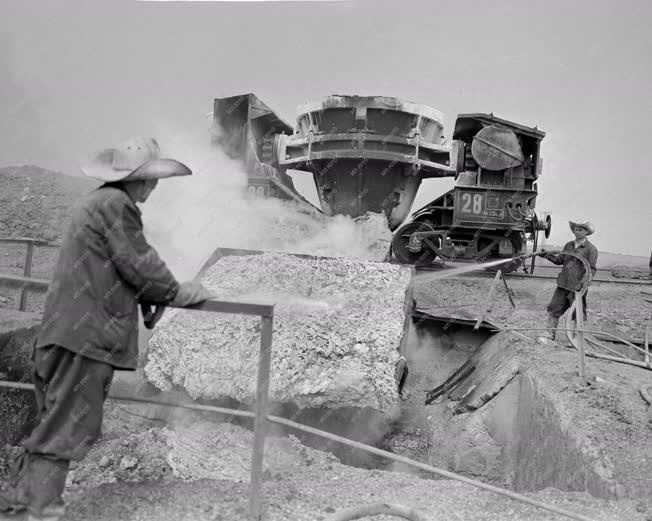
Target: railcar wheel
[{"x": 411, "y": 249}]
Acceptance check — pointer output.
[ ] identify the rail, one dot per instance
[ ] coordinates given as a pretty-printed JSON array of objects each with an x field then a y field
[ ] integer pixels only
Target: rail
[
  {"x": 27, "y": 267},
  {"x": 266, "y": 313}
]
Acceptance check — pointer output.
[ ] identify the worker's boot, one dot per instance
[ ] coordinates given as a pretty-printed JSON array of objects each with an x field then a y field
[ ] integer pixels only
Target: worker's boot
[
  {"x": 35, "y": 487},
  {"x": 552, "y": 325},
  {"x": 47, "y": 478},
  {"x": 14, "y": 499},
  {"x": 52, "y": 512}
]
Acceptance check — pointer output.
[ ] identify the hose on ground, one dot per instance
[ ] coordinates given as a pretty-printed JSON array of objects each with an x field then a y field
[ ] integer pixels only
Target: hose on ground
[
  {"x": 646, "y": 393},
  {"x": 376, "y": 509}
]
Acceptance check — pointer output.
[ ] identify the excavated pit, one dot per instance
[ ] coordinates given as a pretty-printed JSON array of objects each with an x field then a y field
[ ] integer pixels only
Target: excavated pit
[{"x": 499, "y": 425}]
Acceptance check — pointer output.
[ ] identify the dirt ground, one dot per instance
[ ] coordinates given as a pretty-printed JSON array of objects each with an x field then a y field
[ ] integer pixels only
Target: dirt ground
[
  {"x": 145, "y": 469},
  {"x": 607, "y": 407},
  {"x": 617, "y": 308}
]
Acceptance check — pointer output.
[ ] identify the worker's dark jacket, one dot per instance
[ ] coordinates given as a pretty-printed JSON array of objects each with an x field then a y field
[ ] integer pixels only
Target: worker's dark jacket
[
  {"x": 105, "y": 268},
  {"x": 570, "y": 277}
]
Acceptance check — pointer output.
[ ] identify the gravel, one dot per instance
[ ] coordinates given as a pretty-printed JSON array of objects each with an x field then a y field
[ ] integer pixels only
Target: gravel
[{"x": 315, "y": 493}]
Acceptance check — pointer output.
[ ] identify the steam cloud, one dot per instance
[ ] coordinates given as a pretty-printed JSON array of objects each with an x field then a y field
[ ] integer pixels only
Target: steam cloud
[{"x": 187, "y": 218}]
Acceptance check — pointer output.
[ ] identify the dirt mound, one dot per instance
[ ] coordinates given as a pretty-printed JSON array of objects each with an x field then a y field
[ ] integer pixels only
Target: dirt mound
[
  {"x": 35, "y": 202},
  {"x": 190, "y": 448}
]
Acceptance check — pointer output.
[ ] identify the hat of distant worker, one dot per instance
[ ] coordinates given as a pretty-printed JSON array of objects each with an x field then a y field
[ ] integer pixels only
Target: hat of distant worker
[
  {"x": 135, "y": 160},
  {"x": 587, "y": 225}
]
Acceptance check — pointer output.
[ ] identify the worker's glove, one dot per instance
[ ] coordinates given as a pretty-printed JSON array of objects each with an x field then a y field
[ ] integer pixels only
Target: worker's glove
[
  {"x": 548, "y": 255},
  {"x": 152, "y": 313},
  {"x": 190, "y": 293}
]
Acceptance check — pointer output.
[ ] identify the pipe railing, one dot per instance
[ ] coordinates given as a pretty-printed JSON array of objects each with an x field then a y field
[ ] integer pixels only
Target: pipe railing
[
  {"x": 255, "y": 493},
  {"x": 27, "y": 266},
  {"x": 261, "y": 416},
  {"x": 266, "y": 312}
]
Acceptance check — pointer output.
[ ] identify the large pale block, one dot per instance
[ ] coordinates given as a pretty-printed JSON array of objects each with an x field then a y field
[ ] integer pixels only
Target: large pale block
[{"x": 338, "y": 327}]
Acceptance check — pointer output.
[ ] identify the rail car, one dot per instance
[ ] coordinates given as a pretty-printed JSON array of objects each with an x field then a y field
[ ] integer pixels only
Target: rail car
[{"x": 490, "y": 213}]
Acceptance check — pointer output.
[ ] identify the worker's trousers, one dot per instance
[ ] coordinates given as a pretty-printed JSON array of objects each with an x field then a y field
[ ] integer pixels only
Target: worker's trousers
[
  {"x": 562, "y": 300},
  {"x": 70, "y": 392}
]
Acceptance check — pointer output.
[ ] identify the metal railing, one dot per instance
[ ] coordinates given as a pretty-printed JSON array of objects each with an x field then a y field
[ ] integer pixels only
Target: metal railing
[
  {"x": 266, "y": 313},
  {"x": 262, "y": 418},
  {"x": 26, "y": 282}
]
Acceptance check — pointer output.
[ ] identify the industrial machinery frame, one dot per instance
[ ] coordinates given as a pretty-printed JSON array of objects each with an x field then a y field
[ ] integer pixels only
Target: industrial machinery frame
[
  {"x": 491, "y": 209},
  {"x": 371, "y": 153}
]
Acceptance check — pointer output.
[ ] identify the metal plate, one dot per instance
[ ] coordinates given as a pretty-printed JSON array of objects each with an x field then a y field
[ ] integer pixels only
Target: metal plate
[{"x": 496, "y": 148}]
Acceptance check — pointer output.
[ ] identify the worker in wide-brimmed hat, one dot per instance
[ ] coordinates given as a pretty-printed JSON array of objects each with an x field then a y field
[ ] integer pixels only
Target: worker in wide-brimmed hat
[
  {"x": 572, "y": 272},
  {"x": 105, "y": 270}
]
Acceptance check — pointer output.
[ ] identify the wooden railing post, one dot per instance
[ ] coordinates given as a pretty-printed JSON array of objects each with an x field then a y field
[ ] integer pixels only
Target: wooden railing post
[
  {"x": 27, "y": 272},
  {"x": 487, "y": 305},
  {"x": 260, "y": 422},
  {"x": 579, "y": 321}
]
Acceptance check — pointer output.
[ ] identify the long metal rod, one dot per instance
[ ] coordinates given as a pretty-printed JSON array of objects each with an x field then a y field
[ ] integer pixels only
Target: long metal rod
[
  {"x": 509, "y": 291},
  {"x": 27, "y": 272},
  {"x": 375, "y": 509},
  {"x": 27, "y": 240},
  {"x": 620, "y": 340},
  {"x": 260, "y": 422},
  {"x": 233, "y": 306},
  {"x": 27, "y": 282},
  {"x": 487, "y": 304},
  {"x": 579, "y": 321},
  {"x": 637, "y": 341},
  {"x": 421, "y": 269},
  {"x": 596, "y": 343},
  {"x": 153, "y": 401},
  {"x": 426, "y": 467},
  {"x": 340, "y": 439},
  {"x": 620, "y": 359},
  {"x": 593, "y": 355}
]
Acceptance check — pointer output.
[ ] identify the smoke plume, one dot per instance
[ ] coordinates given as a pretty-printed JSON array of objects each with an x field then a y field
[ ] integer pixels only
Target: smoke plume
[{"x": 187, "y": 218}]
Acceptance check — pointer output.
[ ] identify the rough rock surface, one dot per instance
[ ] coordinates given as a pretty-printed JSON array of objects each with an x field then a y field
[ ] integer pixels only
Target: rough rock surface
[
  {"x": 189, "y": 448},
  {"x": 338, "y": 325},
  {"x": 196, "y": 469}
]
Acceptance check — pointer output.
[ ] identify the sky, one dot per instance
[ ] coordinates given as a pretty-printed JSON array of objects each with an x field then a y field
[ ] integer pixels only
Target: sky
[{"x": 77, "y": 76}]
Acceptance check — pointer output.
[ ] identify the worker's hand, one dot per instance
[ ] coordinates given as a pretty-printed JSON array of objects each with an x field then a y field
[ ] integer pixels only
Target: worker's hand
[
  {"x": 151, "y": 314},
  {"x": 190, "y": 293}
]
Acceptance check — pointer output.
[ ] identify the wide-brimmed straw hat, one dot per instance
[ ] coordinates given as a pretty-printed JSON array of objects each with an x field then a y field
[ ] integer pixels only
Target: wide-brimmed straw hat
[
  {"x": 587, "y": 225},
  {"x": 135, "y": 160}
]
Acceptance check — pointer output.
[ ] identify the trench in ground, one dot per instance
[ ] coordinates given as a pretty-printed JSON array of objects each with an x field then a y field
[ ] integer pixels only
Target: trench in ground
[{"x": 515, "y": 440}]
